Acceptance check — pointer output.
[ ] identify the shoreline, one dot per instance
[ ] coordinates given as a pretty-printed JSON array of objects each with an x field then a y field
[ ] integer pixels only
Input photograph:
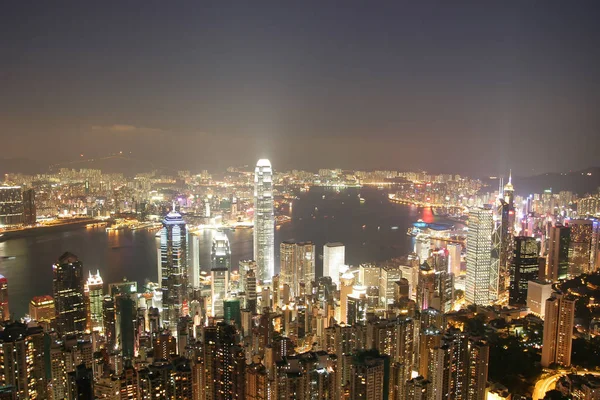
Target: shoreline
[{"x": 43, "y": 230}]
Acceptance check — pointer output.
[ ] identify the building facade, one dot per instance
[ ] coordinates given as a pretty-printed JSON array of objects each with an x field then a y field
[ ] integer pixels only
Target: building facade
[
  {"x": 69, "y": 298},
  {"x": 334, "y": 258},
  {"x": 264, "y": 221},
  {"x": 558, "y": 330},
  {"x": 172, "y": 271},
  {"x": 479, "y": 257}
]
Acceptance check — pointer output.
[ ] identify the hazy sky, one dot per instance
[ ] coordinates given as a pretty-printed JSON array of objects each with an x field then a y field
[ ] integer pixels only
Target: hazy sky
[{"x": 466, "y": 86}]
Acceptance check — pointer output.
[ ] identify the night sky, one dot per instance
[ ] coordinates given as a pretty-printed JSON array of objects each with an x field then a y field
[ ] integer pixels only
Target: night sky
[{"x": 451, "y": 86}]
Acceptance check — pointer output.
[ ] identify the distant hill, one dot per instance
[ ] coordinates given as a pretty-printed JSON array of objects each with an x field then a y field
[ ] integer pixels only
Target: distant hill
[
  {"x": 580, "y": 182},
  {"x": 21, "y": 165},
  {"x": 112, "y": 164}
]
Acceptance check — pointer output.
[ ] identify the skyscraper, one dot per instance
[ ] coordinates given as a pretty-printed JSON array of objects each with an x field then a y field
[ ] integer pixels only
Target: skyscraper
[
  {"x": 524, "y": 268},
  {"x": 368, "y": 377},
  {"x": 172, "y": 271},
  {"x": 333, "y": 259},
  {"x": 219, "y": 288},
  {"x": 80, "y": 383},
  {"x": 41, "y": 308},
  {"x": 537, "y": 294},
  {"x": 509, "y": 192},
  {"x": 194, "y": 261},
  {"x": 558, "y": 330},
  {"x": 94, "y": 290},
  {"x": 69, "y": 302},
  {"x": 557, "y": 267},
  {"x": 478, "y": 364},
  {"x": 29, "y": 211},
  {"x": 580, "y": 247},
  {"x": 22, "y": 360},
  {"x": 479, "y": 260},
  {"x": 11, "y": 205},
  {"x": 501, "y": 243},
  {"x": 264, "y": 221},
  {"x": 454, "y": 250},
  {"x": 110, "y": 319},
  {"x": 126, "y": 318},
  {"x": 221, "y": 357},
  {"x": 221, "y": 252},
  {"x": 297, "y": 263},
  {"x": 232, "y": 312},
  {"x": 4, "y": 309}
]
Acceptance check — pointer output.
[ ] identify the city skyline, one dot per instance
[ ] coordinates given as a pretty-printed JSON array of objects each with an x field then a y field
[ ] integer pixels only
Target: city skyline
[
  {"x": 507, "y": 83},
  {"x": 315, "y": 200}
]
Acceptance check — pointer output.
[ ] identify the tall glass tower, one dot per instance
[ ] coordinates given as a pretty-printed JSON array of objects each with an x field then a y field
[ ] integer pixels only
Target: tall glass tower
[
  {"x": 479, "y": 256},
  {"x": 221, "y": 252},
  {"x": 94, "y": 290},
  {"x": 172, "y": 271},
  {"x": 264, "y": 221},
  {"x": 69, "y": 302}
]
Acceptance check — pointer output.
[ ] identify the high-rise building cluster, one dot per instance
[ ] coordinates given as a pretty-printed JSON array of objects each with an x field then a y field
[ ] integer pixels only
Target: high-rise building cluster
[{"x": 394, "y": 329}]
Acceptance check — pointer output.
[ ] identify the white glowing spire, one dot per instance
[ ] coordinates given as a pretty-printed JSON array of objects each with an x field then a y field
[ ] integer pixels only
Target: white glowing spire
[{"x": 509, "y": 186}]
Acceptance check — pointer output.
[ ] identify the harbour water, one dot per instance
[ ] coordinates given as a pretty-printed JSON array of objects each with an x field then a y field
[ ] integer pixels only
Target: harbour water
[{"x": 372, "y": 230}]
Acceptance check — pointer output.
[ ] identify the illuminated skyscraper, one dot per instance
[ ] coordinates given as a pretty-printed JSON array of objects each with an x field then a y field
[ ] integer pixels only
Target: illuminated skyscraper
[
  {"x": 509, "y": 192},
  {"x": 558, "y": 330},
  {"x": 454, "y": 250},
  {"x": 479, "y": 257},
  {"x": 502, "y": 241},
  {"x": 524, "y": 268},
  {"x": 4, "y": 310},
  {"x": 333, "y": 260},
  {"x": 172, "y": 271},
  {"x": 221, "y": 252},
  {"x": 223, "y": 363},
  {"x": 232, "y": 312},
  {"x": 580, "y": 247},
  {"x": 219, "y": 288},
  {"x": 425, "y": 286},
  {"x": 69, "y": 302},
  {"x": 558, "y": 253},
  {"x": 297, "y": 263},
  {"x": 501, "y": 244},
  {"x": 537, "y": 294},
  {"x": 264, "y": 221},
  {"x": 478, "y": 360},
  {"x": 11, "y": 205},
  {"x": 347, "y": 282},
  {"x": 110, "y": 319},
  {"x": 22, "y": 361},
  {"x": 194, "y": 261},
  {"x": 94, "y": 289},
  {"x": 287, "y": 262},
  {"x": 41, "y": 308}
]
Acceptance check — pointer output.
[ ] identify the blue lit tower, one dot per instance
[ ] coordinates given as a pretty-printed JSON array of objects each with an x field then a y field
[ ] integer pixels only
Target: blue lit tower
[
  {"x": 264, "y": 221},
  {"x": 172, "y": 269}
]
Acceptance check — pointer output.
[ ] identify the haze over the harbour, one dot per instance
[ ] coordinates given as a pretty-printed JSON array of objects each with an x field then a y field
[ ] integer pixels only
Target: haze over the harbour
[{"x": 460, "y": 88}]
